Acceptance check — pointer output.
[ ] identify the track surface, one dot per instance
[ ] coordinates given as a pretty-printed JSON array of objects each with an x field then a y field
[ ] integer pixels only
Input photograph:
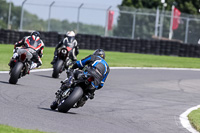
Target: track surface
[{"x": 132, "y": 101}]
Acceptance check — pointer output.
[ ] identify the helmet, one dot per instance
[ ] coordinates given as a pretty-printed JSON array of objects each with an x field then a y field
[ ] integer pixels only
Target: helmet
[
  {"x": 99, "y": 52},
  {"x": 71, "y": 36},
  {"x": 35, "y": 33}
]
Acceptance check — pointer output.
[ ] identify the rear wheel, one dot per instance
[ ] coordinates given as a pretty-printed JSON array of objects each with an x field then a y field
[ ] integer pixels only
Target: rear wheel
[
  {"x": 15, "y": 73},
  {"x": 68, "y": 103},
  {"x": 57, "y": 68}
]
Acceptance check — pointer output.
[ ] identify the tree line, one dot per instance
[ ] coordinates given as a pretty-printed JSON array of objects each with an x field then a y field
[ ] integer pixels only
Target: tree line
[{"x": 33, "y": 22}]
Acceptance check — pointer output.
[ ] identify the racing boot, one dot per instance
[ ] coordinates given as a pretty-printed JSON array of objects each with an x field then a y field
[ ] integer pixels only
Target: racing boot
[
  {"x": 15, "y": 55},
  {"x": 81, "y": 102},
  {"x": 91, "y": 95},
  {"x": 33, "y": 65},
  {"x": 54, "y": 105},
  {"x": 54, "y": 60},
  {"x": 11, "y": 61}
]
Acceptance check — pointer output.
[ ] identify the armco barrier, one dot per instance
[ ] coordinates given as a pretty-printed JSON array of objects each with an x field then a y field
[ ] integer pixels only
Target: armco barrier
[{"x": 157, "y": 47}]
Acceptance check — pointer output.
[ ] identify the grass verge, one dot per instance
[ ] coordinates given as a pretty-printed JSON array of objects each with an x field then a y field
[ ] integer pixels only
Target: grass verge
[
  {"x": 9, "y": 129},
  {"x": 114, "y": 59},
  {"x": 194, "y": 118}
]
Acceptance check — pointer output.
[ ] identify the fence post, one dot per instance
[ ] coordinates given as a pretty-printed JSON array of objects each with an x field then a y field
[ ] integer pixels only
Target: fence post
[
  {"x": 78, "y": 17},
  {"x": 171, "y": 23},
  {"x": 157, "y": 21},
  {"x": 49, "y": 21},
  {"x": 22, "y": 15},
  {"x": 186, "y": 30},
  {"x": 106, "y": 26},
  {"x": 162, "y": 19},
  {"x": 133, "y": 30},
  {"x": 9, "y": 14}
]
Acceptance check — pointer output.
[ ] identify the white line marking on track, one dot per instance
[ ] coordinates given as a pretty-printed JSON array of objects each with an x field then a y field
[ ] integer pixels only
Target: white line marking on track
[
  {"x": 157, "y": 68},
  {"x": 145, "y": 68},
  {"x": 35, "y": 70},
  {"x": 184, "y": 119}
]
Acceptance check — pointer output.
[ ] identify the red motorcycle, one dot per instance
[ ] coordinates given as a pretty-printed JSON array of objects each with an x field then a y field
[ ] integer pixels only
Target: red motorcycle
[{"x": 21, "y": 65}]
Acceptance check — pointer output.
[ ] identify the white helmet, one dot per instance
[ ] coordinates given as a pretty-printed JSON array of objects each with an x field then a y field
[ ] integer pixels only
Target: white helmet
[{"x": 71, "y": 36}]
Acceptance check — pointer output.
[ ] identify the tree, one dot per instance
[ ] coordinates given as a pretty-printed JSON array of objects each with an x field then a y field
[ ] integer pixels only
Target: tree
[
  {"x": 3, "y": 13},
  {"x": 145, "y": 24},
  {"x": 185, "y": 6}
]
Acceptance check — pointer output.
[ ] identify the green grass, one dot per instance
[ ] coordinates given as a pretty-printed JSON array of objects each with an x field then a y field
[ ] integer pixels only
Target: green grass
[
  {"x": 194, "y": 118},
  {"x": 9, "y": 129},
  {"x": 114, "y": 59}
]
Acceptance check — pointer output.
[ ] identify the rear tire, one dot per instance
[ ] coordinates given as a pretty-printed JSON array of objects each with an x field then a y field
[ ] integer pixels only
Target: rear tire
[
  {"x": 15, "y": 73},
  {"x": 57, "y": 68},
  {"x": 68, "y": 103}
]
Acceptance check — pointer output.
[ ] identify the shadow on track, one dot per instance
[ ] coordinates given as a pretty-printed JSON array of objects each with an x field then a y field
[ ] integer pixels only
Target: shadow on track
[
  {"x": 43, "y": 76},
  {"x": 48, "y": 109},
  {"x": 4, "y": 82}
]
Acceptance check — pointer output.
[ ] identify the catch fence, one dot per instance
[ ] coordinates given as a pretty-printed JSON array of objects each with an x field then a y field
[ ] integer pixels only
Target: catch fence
[{"x": 128, "y": 22}]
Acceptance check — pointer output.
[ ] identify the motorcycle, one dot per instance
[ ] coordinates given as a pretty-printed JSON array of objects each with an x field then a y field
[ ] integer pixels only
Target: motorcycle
[
  {"x": 73, "y": 96},
  {"x": 20, "y": 66},
  {"x": 63, "y": 61}
]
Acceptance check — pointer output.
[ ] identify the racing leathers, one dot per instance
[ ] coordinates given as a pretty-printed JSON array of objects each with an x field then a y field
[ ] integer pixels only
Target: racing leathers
[
  {"x": 72, "y": 53},
  {"x": 97, "y": 67},
  {"x": 35, "y": 43}
]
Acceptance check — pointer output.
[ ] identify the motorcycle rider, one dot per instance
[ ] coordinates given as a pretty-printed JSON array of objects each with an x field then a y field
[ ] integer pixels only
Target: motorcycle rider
[
  {"x": 69, "y": 39},
  {"x": 33, "y": 41},
  {"x": 97, "y": 67}
]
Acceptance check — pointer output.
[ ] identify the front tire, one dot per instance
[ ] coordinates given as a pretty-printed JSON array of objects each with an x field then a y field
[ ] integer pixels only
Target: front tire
[
  {"x": 57, "y": 68},
  {"x": 15, "y": 73},
  {"x": 68, "y": 103}
]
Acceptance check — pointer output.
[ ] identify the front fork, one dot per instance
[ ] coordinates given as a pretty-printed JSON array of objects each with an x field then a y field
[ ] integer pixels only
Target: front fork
[
  {"x": 68, "y": 63},
  {"x": 62, "y": 94}
]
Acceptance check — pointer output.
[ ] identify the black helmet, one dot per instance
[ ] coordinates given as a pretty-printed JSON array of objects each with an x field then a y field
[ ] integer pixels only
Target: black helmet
[
  {"x": 36, "y": 33},
  {"x": 99, "y": 52}
]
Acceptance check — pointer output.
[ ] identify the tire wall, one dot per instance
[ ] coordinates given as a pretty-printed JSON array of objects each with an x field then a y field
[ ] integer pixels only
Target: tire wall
[{"x": 157, "y": 47}]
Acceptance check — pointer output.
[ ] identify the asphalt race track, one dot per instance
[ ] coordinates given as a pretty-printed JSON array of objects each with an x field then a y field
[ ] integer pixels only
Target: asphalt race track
[{"x": 132, "y": 101}]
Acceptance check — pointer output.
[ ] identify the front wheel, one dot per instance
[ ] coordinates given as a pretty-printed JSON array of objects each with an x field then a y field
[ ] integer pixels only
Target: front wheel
[
  {"x": 67, "y": 104},
  {"x": 15, "y": 73},
  {"x": 57, "y": 68}
]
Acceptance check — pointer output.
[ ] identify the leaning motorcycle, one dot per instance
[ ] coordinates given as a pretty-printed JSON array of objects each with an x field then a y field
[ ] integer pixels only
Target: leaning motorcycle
[
  {"x": 63, "y": 61},
  {"x": 20, "y": 66},
  {"x": 73, "y": 96}
]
